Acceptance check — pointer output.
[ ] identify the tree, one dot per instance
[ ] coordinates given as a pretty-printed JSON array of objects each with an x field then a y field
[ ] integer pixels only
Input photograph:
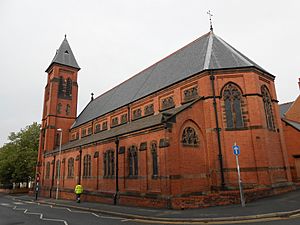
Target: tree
[{"x": 18, "y": 158}]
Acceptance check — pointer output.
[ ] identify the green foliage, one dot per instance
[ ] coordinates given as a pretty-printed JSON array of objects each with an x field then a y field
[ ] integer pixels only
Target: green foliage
[{"x": 18, "y": 158}]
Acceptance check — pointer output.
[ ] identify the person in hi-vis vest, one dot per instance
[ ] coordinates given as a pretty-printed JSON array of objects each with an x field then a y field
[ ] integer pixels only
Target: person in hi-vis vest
[{"x": 78, "y": 192}]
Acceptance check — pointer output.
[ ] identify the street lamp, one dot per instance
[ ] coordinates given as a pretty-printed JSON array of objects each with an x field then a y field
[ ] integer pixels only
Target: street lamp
[{"x": 58, "y": 172}]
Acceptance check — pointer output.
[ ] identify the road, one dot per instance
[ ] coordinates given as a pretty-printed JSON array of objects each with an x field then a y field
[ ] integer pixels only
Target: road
[{"x": 14, "y": 212}]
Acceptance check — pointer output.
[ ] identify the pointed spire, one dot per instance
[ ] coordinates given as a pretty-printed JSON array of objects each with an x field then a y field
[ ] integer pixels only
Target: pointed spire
[{"x": 64, "y": 56}]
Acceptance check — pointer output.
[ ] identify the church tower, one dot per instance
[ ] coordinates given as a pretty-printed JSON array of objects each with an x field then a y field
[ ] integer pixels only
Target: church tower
[{"x": 60, "y": 99}]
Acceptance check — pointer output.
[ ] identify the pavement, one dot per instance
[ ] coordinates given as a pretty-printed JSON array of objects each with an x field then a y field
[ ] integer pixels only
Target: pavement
[{"x": 279, "y": 206}]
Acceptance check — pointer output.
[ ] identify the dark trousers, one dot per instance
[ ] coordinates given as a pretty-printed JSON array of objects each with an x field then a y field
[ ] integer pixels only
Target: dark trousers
[{"x": 78, "y": 198}]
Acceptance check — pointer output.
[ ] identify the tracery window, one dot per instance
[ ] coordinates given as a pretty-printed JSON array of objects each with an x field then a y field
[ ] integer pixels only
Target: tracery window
[
  {"x": 83, "y": 132},
  {"x": 115, "y": 121},
  {"x": 268, "y": 107},
  {"x": 149, "y": 109},
  {"x": 57, "y": 174},
  {"x": 47, "y": 170},
  {"x": 232, "y": 98},
  {"x": 190, "y": 137},
  {"x": 97, "y": 128},
  {"x": 124, "y": 118},
  {"x": 87, "y": 164},
  {"x": 71, "y": 167},
  {"x": 154, "y": 158},
  {"x": 59, "y": 106},
  {"x": 69, "y": 87},
  {"x": 137, "y": 114},
  {"x": 133, "y": 161},
  {"x": 190, "y": 94},
  {"x": 109, "y": 163},
  {"x": 167, "y": 103},
  {"x": 104, "y": 125}
]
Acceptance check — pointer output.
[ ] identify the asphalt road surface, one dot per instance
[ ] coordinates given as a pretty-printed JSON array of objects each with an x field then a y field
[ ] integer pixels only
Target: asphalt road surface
[{"x": 15, "y": 212}]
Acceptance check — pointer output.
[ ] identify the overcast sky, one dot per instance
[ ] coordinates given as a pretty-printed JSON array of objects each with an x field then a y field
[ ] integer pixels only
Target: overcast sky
[{"x": 113, "y": 40}]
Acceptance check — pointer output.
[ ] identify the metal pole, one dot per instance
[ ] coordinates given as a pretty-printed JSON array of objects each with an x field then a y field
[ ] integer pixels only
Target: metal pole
[
  {"x": 218, "y": 130},
  {"x": 240, "y": 181},
  {"x": 117, "y": 170},
  {"x": 59, "y": 157}
]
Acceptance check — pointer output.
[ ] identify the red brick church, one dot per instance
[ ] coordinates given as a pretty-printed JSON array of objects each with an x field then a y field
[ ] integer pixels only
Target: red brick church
[{"x": 164, "y": 137}]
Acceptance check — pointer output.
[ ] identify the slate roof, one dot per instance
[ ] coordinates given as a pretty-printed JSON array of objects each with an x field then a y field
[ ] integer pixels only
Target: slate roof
[
  {"x": 292, "y": 123},
  {"x": 136, "y": 125},
  {"x": 64, "y": 56},
  {"x": 209, "y": 52},
  {"x": 283, "y": 108}
]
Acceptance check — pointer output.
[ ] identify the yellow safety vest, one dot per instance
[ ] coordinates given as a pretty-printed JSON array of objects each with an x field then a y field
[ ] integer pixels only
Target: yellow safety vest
[{"x": 78, "y": 189}]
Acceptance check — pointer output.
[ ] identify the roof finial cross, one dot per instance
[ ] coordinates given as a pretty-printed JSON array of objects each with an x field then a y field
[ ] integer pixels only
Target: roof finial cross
[
  {"x": 92, "y": 96},
  {"x": 210, "y": 21}
]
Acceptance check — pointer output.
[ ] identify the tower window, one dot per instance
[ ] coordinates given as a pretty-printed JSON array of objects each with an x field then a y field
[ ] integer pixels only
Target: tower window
[
  {"x": 68, "y": 109},
  {"x": 61, "y": 87},
  {"x": 66, "y": 52},
  {"x": 59, "y": 106},
  {"x": 232, "y": 98},
  {"x": 69, "y": 87}
]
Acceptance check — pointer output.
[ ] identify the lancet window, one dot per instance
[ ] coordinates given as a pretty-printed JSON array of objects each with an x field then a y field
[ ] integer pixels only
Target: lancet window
[
  {"x": 268, "y": 107},
  {"x": 109, "y": 163},
  {"x": 133, "y": 161},
  {"x": 87, "y": 165},
  {"x": 232, "y": 97}
]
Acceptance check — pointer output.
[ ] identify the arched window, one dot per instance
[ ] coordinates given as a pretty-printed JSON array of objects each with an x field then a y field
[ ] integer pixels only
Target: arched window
[
  {"x": 57, "y": 175},
  {"x": 87, "y": 164},
  {"x": 154, "y": 158},
  {"x": 232, "y": 98},
  {"x": 109, "y": 163},
  {"x": 71, "y": 167},
  {"x": 61, "y": 86},
  {"x": 69, "y": 87},
  {"x": 133, "y": 161},
  {"x": 68, "y": 109},
  {"x": 59, "y": 106},
  {"x": 268, "y": 107},
  {"x": 47, "y": 170},
  {"x": 190, "y": 137}
]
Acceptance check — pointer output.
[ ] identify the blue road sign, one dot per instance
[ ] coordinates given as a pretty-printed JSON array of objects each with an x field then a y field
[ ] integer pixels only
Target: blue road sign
[{"x": 236, "y": 149}]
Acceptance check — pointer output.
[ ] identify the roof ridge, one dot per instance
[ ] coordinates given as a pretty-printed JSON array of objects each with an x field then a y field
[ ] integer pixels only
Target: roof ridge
[
  {"x": 208, "y": 51},
  {"x": 199, "y": 55},
  {"x": 153, "y": 64}
]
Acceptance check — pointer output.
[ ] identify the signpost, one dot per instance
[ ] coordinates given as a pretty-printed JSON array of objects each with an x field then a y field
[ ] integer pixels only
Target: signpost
[
  {"x": 37, "y": 186},
  {"x": 236, "y": 152}
]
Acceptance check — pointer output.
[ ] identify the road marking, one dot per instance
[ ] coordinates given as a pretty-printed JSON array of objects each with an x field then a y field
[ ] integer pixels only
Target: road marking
[
  {"x": 25, "y": 211},
  {"x": 5, "y": 204},
  {"x": 18, "y": 203}
]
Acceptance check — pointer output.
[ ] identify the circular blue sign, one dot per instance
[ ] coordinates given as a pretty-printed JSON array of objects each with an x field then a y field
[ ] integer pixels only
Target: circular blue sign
[{"x": 236, "y": 149}]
